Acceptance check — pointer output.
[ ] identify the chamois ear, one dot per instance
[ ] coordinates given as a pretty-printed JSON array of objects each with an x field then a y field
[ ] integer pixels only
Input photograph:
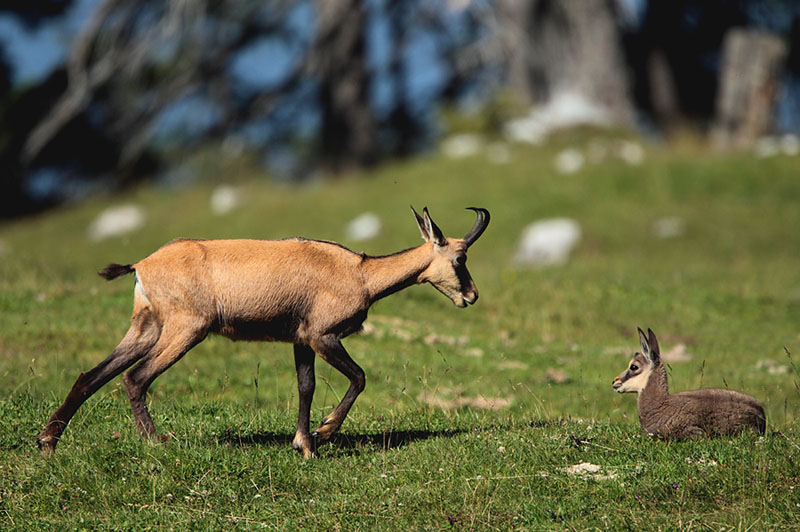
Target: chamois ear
[
  {"x": 421, "y": 223},
  {"x": 432, "y": 229},
  {"x": 653, "y": 341},
  {"x": 649, "y": 350},
  {"x": 645, "y": 345}
]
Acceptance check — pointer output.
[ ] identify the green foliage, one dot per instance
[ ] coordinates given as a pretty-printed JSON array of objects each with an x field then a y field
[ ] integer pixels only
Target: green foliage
[
  {"x": 488, "y": 118},
  {"x": 471, "y": 417}
]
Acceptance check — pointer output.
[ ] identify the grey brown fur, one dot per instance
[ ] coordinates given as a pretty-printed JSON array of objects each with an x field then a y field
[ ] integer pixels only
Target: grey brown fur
[{"x": 708, "y": 412}]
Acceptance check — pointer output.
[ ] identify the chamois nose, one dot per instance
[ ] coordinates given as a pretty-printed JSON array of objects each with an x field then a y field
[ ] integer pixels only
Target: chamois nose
[{"x": 471, "y": 297}]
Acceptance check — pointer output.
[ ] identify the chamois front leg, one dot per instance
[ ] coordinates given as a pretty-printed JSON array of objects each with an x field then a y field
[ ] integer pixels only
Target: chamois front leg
[
  {"x": 304, "y": 364},
  {"x": 331, "y": 350}
]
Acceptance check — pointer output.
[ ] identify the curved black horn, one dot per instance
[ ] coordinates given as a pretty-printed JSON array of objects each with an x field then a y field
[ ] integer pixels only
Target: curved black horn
[{"x": 479, "y": 227}]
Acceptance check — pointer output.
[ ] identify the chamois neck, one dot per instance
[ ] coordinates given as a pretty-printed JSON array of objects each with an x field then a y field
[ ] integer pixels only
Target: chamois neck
[
  {"x": 657, "y": 386},
  {"x": 386, "y": 275}
]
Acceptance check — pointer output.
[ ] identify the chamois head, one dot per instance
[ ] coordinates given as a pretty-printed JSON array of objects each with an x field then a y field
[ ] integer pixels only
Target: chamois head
[
  {"x": 636, "y": 375},
  {"x": 447, "y": 271}
]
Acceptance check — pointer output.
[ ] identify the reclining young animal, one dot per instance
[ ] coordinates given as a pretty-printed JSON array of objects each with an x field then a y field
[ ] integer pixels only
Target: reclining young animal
[
  {"x": 311, "y": 293},
  {"x": 684, "y": 415}
]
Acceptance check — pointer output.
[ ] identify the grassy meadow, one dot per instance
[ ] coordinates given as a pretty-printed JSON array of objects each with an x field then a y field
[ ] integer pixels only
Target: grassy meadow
[{"x": 472, "y": 419}]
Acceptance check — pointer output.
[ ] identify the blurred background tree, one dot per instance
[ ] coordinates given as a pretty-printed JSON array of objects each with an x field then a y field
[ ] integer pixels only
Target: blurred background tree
[{"x": 103, "y": 93}]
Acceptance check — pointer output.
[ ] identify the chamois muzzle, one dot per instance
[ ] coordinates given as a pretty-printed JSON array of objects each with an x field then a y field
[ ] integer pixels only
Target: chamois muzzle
[{"x": 480, "y": 225}]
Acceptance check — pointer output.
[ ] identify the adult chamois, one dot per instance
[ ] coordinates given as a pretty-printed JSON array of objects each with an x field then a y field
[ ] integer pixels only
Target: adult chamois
[{"x": 310, "y": 293}]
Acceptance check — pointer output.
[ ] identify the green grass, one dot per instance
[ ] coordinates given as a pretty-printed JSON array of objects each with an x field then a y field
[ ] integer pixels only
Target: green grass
[{"x": 540, "y": 347}]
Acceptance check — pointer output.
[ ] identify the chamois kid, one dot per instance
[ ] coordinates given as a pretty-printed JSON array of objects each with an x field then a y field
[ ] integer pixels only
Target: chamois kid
[
  {"x": 692, "y": 414},
  {"x": 310, "y": 293}
]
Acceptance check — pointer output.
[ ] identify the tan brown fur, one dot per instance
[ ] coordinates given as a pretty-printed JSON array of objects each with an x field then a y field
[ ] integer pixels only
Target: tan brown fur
[
  {"x": 692, "y": 414},
  {"x": 307, "y": 292}
]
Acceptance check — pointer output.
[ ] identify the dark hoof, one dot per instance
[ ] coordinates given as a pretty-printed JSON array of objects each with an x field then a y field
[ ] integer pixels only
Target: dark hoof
[
  {"x": 308, "y": 451},
  {"x": 47, "y": 445}
]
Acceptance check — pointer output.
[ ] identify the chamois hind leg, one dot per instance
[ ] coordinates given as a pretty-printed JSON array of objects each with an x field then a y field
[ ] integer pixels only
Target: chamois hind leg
[
  {"x": 178, "y": 335},
  {"x": 331, "y": 350},
  {"x": 304, "y": 364},
  {"x": 140, "y": 338}
]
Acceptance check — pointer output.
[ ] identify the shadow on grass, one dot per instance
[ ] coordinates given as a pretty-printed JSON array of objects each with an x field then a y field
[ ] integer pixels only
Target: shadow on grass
[
  {"x": 352, "y": 442},
  {"x": 375, "y": 441}
]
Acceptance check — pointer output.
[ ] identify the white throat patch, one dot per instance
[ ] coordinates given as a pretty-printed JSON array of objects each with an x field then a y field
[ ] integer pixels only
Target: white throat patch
[{"x": 638, "y": 382}]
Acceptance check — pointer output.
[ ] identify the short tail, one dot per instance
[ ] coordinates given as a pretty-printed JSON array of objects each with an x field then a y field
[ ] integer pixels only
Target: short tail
[{"x": 112, "y": 271}]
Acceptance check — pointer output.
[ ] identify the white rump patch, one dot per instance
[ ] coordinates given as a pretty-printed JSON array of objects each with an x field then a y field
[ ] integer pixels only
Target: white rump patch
[{"x": 138, "y": 289}]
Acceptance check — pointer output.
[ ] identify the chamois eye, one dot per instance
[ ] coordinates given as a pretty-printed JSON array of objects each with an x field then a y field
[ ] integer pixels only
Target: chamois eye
[
  {"x": 461, "y": 260},
  {"x": 634, "y": 367}
]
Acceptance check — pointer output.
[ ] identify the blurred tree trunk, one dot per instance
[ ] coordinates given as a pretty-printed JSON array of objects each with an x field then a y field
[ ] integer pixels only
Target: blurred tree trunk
[
  {"x": 348, "y": 136},
  {"x": 555, "y": 47},
  {"x": 663, "y": 100},
  {"x": 513, "y": 18},
  {"x": 749, "y": 78},
  {"x": 673, "y": 55},
  {"x": 145, "y": 80},
  {"x": 405, "y": 128}
]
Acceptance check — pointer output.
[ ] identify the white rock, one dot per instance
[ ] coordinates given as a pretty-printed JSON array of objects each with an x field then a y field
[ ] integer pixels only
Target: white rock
[
  {"x": 464, "y": 145},
  {"x": 631, "y": 152},
  {"x": 363, "y": 227},
  {"x": 677, "y": 353},
  {"x": 526, "y": 129},
  {"x": 669, "y": 227},
  {"x": 566, "y": 109},
  {"x": 226, "y": 198},
  {"x": 767, "y": 147},
  {"x": 772, "y": 367},
  {"x": 790, "y": 145},
  {"x": 116, "y": 221},
  {"x": 569, "y": 161},
  {"x": 582, "y": 468},
  {"x": 548, "y": 242}
]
